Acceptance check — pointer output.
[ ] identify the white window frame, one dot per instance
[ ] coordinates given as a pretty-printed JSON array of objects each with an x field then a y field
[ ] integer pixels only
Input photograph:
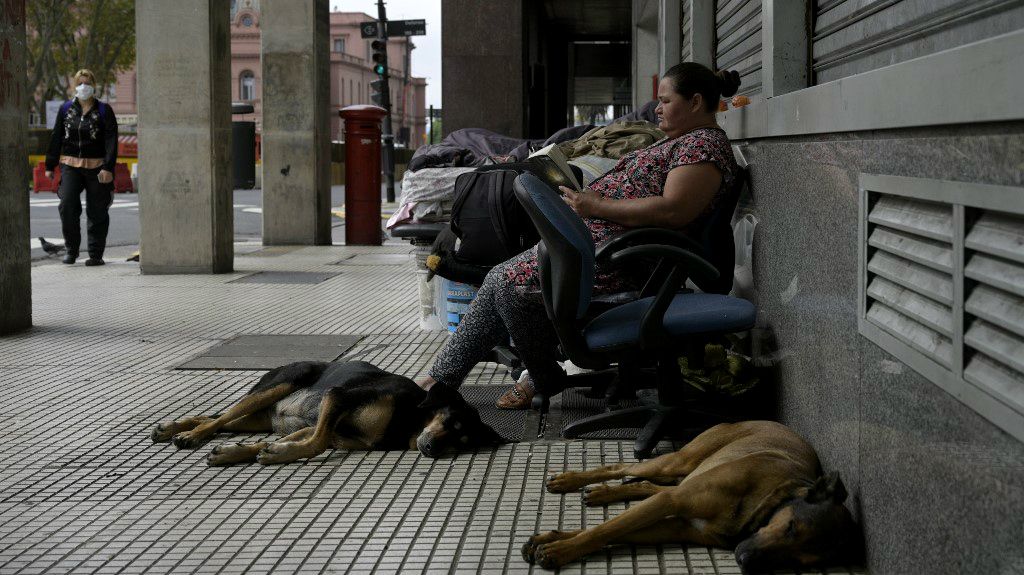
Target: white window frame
[{"x": 242, "y": 87}]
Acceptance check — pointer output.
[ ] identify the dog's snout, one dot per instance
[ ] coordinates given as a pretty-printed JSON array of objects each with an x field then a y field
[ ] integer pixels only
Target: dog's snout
[
  {"x": 426, "y": 445},
  {"x": 746, "y": 556}
]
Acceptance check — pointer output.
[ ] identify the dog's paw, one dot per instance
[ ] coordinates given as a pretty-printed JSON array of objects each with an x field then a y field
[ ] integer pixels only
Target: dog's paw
[
  {"x": 280, "y": 452},
  {"x": 564, "y": 482},
  {"x": 162, "y": 432},
  {"x": 596, "y": 495},
  {"x": 529, "y": 548},
  {"x": 555, "y": 554},
  {"x": 188, "y": 440},
  {"x": 232, "y": 453}
]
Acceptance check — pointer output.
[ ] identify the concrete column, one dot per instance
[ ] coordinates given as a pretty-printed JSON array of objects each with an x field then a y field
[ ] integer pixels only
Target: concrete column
[
  {"x": 785, "y": 28},
  {"x": 646, "y": 45},
  {"x": 15, "y": 270},
  {"x": 702, "y": 32},
  {"x": 296, "y": 122},
  {"x": 670, "y": 28},
  {"x": 183, "y": 58},
  {"x": 482, "y": 66}
]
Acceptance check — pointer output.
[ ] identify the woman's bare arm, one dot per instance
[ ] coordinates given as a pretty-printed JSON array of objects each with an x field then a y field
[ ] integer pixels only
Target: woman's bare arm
[{"x": 688, "y": 191}]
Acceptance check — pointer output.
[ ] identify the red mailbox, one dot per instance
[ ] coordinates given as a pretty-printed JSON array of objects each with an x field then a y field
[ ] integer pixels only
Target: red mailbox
[{"x": 362, "y": 174}]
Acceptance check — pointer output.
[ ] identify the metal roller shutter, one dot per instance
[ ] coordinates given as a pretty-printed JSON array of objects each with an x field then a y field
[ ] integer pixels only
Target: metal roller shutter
[
  {"x": 738, "y": 41},
  {"x": 684, "y": 40},
  {"x": 854, "y": 36}
]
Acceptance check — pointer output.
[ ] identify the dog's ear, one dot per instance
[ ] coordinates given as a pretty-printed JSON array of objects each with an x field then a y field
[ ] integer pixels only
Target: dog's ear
[
  {"x": 486, "y": 436},
  {"x": 828, "y": 488},
  {"x": 440, "y": 395}
]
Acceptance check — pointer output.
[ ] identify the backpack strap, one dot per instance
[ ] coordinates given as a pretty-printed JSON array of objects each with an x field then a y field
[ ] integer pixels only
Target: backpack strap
[
  {"x": 101, "y": 107},
  {"x": 496, "y": 207}
]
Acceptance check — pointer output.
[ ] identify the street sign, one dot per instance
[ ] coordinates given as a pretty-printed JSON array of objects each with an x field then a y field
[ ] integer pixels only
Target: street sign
[
  {"x": 395, "y": 28},
  {"x": 407, "y": 28},
  {"x": 368, "y": 29}
]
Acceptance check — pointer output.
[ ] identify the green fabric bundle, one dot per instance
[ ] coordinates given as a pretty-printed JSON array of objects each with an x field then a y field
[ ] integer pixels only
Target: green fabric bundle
[{"x": 724, "y": 372}]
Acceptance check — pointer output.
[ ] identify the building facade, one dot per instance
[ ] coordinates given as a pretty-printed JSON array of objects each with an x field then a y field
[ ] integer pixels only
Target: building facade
[
  {"x": 350, "y": 74},
  {"x": 884, "y": 142}
]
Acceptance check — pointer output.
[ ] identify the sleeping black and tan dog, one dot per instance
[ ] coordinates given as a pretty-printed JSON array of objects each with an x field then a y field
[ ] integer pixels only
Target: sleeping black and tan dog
[
  {"x": 318, "y": 406},
  {"x": 754, "y": 485}
]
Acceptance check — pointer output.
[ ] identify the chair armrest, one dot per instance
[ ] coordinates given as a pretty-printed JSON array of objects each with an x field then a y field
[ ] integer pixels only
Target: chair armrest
[
  {"x": 689, "y": 264},
  {"x": 683, "y": 264},
  {"x": 419, "y": 234},
  {"x": 642, "y": 236}
]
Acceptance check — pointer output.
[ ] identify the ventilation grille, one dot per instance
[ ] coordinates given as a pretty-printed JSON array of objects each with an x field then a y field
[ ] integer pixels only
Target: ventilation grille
[
  {"x": 910, "y": 282},
  {"x": 994, "y": 306},
  {"x": 942, "y": 286}
]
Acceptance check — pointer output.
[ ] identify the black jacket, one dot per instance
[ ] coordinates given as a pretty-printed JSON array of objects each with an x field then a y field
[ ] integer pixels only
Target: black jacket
[{"x": 91, "y": 136}]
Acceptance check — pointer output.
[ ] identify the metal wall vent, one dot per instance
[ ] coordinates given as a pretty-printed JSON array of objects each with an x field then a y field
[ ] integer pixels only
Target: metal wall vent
[
  {"x": 910, "y": 286},
  {"x": 994, "y": 308},
  {"x": 942, "y": 286}
]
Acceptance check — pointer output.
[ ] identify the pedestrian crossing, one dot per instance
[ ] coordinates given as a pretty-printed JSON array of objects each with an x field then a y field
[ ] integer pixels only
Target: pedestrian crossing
[
  {"x": 54, "y": 202},
  {"x": 128, "y": 203}
]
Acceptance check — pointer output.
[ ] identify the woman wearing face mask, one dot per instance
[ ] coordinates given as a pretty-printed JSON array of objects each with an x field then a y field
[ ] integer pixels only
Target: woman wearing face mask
[{"x": 84, "y": 141}]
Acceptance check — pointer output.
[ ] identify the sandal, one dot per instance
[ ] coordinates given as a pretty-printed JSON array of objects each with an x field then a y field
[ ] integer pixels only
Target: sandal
[{"x": 517, "y": 397}]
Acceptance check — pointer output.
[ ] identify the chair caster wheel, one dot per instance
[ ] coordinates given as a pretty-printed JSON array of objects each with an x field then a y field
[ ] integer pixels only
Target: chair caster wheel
[
  {"x": 642, "y": 454},
  {"x": 540, "y": 403}
]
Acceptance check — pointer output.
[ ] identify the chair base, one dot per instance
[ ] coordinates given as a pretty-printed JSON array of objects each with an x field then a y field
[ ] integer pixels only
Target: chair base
[{"x": 655, "y": 421}]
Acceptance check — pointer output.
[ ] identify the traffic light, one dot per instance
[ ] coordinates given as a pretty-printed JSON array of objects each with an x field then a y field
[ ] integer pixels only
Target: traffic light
[
  {"x": 380, "y": 93},
  {"x": 380, "y": 57}
]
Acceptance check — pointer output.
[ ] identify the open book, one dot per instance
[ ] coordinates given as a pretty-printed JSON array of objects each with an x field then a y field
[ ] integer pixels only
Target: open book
[{"x": 551, "y": 165}]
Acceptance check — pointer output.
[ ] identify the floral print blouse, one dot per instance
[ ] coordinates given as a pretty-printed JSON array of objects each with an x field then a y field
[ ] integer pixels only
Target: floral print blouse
[{"x": 641, "y": 174}]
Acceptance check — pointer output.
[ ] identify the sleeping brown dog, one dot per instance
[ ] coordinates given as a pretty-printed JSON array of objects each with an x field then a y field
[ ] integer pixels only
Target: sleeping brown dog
[{"x": 754, "y": 485}]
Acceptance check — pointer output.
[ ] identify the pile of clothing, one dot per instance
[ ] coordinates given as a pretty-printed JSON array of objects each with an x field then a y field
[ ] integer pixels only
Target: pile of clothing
[{"x": 428, "y": 188}]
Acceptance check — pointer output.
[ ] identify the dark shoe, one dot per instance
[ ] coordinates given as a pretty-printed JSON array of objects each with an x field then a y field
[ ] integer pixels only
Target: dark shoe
[
  {"x": 94, "y": 262},
  {"x": 69, "y": 259}
]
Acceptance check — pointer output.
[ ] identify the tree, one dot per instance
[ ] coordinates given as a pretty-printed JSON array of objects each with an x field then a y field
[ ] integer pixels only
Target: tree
[{"x": 65, "y": 35}]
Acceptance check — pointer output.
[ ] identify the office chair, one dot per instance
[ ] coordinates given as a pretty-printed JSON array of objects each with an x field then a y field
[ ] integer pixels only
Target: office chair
[{"x": 659, "y": 327}]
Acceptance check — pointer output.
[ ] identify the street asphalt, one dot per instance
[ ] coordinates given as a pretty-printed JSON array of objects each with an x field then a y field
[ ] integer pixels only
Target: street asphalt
[{"x": 124, "y": 219}]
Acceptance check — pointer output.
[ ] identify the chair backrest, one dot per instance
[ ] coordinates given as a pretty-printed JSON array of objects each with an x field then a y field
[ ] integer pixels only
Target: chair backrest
[
  {"x": 716, "y": 238},
  {"x": 566, "y": 244}
]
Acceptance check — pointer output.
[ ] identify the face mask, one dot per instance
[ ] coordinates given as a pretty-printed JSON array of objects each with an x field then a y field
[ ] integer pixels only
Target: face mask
[{"x": 84, "y": 91}]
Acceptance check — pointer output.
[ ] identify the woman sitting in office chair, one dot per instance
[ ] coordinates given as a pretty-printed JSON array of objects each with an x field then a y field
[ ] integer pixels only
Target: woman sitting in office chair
[{"x": 674, "y": 183}]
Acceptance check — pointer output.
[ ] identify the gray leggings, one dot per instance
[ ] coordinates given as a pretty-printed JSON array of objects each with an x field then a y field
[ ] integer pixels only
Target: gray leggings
[{"x": 498, "y": 313}]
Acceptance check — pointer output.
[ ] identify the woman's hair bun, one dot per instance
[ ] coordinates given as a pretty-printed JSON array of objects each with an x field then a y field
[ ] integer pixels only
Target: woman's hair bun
[{"x": 728, "y": 81}]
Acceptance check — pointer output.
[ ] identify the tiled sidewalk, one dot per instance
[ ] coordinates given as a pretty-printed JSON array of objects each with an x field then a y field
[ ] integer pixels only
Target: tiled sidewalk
[{"x": 84, "y": 490}]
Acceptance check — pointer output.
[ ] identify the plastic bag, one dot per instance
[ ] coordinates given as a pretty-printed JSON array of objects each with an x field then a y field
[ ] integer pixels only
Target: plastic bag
[{"x": 743, "y": 273}]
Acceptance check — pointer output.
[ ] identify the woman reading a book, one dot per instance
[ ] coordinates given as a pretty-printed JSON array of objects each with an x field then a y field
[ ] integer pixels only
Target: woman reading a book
[{"x": 674, "y": 183}]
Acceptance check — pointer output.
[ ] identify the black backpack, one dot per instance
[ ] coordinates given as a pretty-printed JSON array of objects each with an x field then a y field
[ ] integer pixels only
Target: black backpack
[
  {"x": 488, "y": 218},
  {"x": 489, "y": 222}
]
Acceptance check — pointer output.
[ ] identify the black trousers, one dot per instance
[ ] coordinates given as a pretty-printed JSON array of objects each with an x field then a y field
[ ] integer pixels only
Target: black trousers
[{"x": 98, "y": 198}]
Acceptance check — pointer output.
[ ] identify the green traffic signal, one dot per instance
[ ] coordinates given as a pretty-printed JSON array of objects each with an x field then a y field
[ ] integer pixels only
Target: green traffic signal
[{"x": 379, "y": 69}]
